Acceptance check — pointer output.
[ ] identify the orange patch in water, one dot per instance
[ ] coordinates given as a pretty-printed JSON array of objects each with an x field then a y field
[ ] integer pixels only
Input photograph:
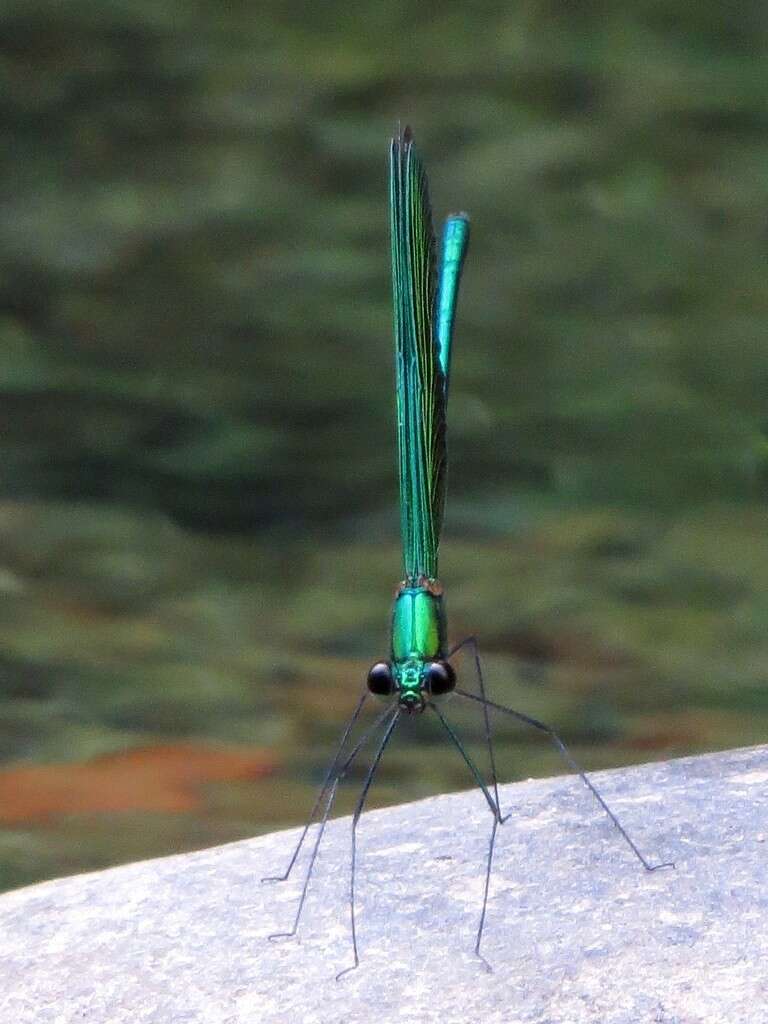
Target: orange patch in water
[{"x": 158, "y": 778}]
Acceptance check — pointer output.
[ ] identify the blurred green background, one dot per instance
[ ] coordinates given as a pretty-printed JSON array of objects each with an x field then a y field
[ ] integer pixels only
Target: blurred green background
[{"x": 198, "y": 524}]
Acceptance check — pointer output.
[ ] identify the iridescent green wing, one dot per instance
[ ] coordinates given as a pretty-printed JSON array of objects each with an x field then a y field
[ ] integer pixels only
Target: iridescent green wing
[{"x": 420, "y": 382}]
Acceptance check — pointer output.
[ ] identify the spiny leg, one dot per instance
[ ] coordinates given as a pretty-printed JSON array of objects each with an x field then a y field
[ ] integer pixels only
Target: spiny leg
[
  {"x": 310, "y": 868},
  {"x": 471, "y": 641},
  {"x": 329, "y": 776},
  {"x": 355, "y": 818},
  {"x": 324, "y": 820},
  {"x": 467, "y": 760},
  {"x": 565, "y": 752},
  {"x": 486, "y": 887},
  {"x": 497, "y": 820}
]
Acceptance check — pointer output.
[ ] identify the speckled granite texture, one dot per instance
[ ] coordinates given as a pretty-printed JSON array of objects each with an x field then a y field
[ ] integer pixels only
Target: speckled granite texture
[{"x": 577, "y": 931}]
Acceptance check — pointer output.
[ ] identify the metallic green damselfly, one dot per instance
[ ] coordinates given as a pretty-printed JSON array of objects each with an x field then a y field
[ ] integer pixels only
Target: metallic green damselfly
[{"x": 418, "y": 671}]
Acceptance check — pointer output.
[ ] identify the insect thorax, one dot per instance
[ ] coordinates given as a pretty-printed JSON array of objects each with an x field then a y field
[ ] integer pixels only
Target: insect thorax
[{"x": 418, "y": 625}]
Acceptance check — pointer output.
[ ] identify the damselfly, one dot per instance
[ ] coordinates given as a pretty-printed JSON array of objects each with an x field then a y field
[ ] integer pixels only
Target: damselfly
[{"x": 418, "y": 671}]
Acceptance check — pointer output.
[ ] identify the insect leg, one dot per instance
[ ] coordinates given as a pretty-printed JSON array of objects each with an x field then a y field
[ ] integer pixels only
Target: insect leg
[
  {"x": 324, "y": 820},
  {"x": 315, "y": 848},
  {"x": 565, "y": 752},
  {"x": 355, "y": 818},
  {"x": 471, "y": 642},
  {"x": 467, "y": 759},
  {"x": 497, "y": 820},
  {"x": 329, "y": 776}
]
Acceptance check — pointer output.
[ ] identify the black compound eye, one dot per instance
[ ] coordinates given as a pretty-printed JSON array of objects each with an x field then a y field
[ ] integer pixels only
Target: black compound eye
[
  {"x": 439, "y": 678},
  {"x": 380, "y": 679}
]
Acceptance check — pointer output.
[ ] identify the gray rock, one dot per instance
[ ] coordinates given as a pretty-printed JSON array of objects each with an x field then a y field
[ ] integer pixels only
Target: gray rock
[{"x": 577, "y": 931}]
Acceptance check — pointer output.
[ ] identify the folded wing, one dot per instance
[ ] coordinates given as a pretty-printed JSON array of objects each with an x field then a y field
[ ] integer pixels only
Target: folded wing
[{"x": 420, "y": 378}]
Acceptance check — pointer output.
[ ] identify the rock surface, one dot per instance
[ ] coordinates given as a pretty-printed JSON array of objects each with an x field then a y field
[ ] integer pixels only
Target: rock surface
[{"x": 577, "y": 931}]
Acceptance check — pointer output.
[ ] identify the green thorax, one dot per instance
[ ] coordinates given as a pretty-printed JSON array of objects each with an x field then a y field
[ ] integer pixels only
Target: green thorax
[{"x": 418, "y": 633}]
